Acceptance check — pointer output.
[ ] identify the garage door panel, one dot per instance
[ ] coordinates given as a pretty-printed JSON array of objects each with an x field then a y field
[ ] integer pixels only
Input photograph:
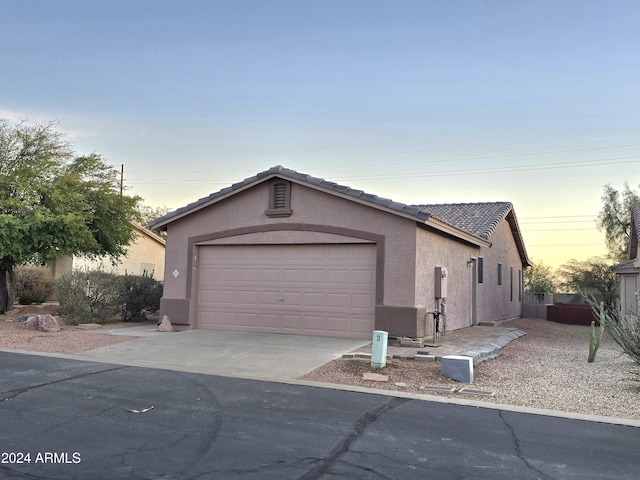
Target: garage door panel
[
  {"x": 338, "y": 300},
  {"x": 313, "y": 324},
  {"x": 365, "y": 302},
  {"x": 292, "y": 275},
  {"x": 315, "y": 276},
  {"x": 290, "y": 321},
  {"x": 361, "y": 326},
  {"x": 249, "y": 297},
  {"x": 338, "y": 276},
  {"x": 271, "y": 274},
  {"x": 249, "y": 275},
  {"x": 315, "y": 300},
  {"x": 324, "y": 289},
  {"x": 269, "y": 298},
  {"x": 337, "y": 324},
  {"x": 363, "y": 277},
  {"x": 267, "y": 320}
]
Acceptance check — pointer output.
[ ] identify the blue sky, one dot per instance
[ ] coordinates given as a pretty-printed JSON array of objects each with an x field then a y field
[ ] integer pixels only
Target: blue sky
[{"x": 533, "y": 102}]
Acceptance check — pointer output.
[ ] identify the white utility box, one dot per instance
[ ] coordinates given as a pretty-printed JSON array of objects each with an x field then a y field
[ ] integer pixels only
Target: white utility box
[{"x": 379, "y": 349}]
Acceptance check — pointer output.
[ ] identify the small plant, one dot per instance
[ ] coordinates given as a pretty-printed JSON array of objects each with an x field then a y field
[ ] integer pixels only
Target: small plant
[
  {"x": 92, "y": 296},
  {"x": 141, "y": 296},
  {"x": 33, "y": 285}
]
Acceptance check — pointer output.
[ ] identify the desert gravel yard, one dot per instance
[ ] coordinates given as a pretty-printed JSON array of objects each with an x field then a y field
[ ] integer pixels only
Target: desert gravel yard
[
  {"x": 69, "y": 340},
  {"x": 546, "y": 369}
]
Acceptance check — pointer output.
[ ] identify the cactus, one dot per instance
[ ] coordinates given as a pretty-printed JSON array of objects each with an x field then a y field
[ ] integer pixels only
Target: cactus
[{"x": 595, "y": 339}]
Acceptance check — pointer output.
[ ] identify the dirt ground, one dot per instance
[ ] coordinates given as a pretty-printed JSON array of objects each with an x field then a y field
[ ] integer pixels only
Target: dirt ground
[{"x": 70, "y": 339}]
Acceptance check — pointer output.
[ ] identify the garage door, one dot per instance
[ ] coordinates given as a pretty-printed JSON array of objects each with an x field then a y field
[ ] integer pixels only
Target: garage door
[{"x": 326, "y": 289}]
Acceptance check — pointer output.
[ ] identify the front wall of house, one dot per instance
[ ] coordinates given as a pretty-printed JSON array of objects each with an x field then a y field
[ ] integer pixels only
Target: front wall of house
[
  {"x": 316, "y": 217},
  {"x": 499, "y": 302},
  {"x": 438, "y": 251}
]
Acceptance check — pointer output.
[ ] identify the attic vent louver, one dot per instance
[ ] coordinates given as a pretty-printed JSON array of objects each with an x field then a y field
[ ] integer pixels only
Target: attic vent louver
[
  {"x": 279, "y": 195},
  {"x": 279, "y": 199}
]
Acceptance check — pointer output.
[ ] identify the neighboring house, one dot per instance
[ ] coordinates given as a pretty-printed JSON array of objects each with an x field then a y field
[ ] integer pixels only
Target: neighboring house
[
  {"x": 629, "y": 271},
  {"x": 145, "y": 254},
  {"x": 285, "y": 252}
]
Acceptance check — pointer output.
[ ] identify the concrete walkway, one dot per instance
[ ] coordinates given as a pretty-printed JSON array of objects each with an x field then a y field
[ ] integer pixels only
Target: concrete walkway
[
  {"x": 480, "y": 343},
  {"x": 276, "y": 357}
]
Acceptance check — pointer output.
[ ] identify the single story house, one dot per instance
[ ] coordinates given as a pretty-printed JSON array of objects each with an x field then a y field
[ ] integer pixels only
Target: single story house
[
  {"x": 144, "y": 255},
  {"x": 286, "y": 252},
  {"x": 629, "y": 270}
]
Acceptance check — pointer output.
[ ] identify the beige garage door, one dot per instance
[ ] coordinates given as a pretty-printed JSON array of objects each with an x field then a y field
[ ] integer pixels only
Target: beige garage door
[{"x": 326, "y": 289}]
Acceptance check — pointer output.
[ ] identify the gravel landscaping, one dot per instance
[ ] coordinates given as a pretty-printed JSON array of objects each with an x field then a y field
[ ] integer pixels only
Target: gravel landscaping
[
  {"x": 547, "y": 369},
  {"x": 70, "y": 339}
]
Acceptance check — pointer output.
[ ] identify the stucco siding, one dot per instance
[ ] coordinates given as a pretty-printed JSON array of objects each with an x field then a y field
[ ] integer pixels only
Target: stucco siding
[
  {"x": 145, "y": 254},
  {"x": 242, "y": 217},
  {"x": 496, "y": 302},
  {"x": 435, "y": 250}
]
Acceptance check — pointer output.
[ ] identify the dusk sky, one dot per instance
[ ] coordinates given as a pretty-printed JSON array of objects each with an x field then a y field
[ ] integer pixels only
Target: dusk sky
[{"x": 532, "y": 102}]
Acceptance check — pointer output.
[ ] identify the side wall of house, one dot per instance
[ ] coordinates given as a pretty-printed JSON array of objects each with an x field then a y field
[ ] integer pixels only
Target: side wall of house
[
  {"x": 438, "y": 251},
  {"x": 499, "y": 299},
  {"x": 145, "y": 254},
  {"x": 316, "y": 217}
]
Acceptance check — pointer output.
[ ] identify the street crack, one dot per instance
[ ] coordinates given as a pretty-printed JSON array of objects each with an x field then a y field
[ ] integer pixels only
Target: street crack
[
  {"x": 343, "y": 446},
  {"x": 11, "y": 394},
  {"x": 516, "y": 442}
]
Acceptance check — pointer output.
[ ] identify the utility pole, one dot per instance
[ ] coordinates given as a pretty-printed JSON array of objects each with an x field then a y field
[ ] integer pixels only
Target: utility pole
[{"x": 121, "y": 178}]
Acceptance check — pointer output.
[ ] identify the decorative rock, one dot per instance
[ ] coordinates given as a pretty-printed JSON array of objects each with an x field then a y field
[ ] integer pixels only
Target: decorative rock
[
  {"x": 165, "y": 325},
  {"x": 402, "y": 384},
  {"x": 375, "y": 377},
  {"x": 42, "y": 323}
]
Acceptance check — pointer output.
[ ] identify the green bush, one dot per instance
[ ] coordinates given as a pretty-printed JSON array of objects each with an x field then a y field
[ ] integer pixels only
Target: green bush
[
  {"x": 141, "y": 296},
  {"x": 33, "y": 285},
  {"x": 92, "y": 296}
]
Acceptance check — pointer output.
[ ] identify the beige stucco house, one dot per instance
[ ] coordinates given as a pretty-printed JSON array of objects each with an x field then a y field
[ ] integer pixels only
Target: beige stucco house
[
  {"x": 285, "y": 252},
  {"x": 145, "y": 254},
  {"x": 629, "y": 271}
]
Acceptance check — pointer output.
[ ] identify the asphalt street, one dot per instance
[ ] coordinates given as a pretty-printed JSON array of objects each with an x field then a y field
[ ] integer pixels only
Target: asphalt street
[{"x": 68, "y": 419}]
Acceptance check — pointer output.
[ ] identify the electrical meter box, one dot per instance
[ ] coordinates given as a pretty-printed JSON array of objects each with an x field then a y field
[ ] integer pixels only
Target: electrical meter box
[
  {"x": 441, "y": 282},
  {"x": 379, "y": 349}
]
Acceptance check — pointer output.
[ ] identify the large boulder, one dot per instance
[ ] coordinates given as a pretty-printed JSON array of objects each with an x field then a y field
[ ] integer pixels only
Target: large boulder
[{"x": 42, "y": 323}]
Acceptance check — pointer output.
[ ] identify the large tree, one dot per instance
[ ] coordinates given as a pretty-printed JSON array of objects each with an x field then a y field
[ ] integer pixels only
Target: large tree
[
  {"x": 539, "y": 278},
  {"x": 54, "y": 203},
  {"x": 592, "y": 276},
  {"x": 615, "y": 219}
]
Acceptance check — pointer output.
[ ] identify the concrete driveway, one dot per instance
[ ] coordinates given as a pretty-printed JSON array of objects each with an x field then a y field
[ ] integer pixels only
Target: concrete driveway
[{"x": 258, "y": 356}]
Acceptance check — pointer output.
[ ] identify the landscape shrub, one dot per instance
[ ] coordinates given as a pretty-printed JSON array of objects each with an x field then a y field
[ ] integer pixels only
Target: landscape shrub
[
  {"x": 91, "y": 296},
  {"x": 32, "y": 285},
  {"x": 141, "y": 296},
  {"x": 624, "y": 328}
]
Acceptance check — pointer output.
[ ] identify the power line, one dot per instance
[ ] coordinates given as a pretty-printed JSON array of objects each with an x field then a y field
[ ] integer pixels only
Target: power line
[
  {"x": 479, "y": 171},
  {"x": 425, "y": 162},
  {"x": 517, "y": 168}
]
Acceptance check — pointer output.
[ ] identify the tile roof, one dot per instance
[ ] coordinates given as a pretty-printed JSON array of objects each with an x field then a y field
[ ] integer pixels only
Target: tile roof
[
  {"x": 479, "y": 219},
  {"x": 476, "y": 219}
]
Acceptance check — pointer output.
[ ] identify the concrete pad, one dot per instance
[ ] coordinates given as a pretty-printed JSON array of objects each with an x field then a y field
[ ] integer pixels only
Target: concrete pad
[{"x": 233, "y": 354}]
